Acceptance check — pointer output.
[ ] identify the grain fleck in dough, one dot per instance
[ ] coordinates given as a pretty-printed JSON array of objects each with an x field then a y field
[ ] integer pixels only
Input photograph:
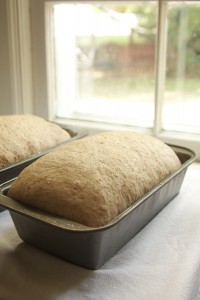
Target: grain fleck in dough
[
  {"x": 22, "y": 136},
  {"x": 93, "y": 180}
]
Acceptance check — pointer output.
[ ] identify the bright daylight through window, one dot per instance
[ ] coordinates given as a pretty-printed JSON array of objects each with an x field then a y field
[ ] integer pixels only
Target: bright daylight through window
[{"x": 105, "y": 63}]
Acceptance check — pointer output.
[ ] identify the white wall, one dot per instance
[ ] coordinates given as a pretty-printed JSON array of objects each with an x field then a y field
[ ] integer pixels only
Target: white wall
[
  {"x": 23, "y": 83},
  {"x": 5, "y": 74}
]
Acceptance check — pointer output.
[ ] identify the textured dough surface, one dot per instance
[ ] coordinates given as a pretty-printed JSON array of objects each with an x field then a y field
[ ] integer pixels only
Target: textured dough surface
[
  {"x": 93, "y": 180},
  {"x": 24, "y": 135}
]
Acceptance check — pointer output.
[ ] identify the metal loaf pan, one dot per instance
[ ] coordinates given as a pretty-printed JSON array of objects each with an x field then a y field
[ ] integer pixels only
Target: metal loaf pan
[
  {"x": 13, "y": 170},
  {"x": 92, "y": 247}
]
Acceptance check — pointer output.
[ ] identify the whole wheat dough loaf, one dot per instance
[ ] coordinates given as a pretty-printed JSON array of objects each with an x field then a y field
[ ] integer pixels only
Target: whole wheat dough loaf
[
  {"x": 24, "y": 135},
  {"x": 94, "y": 179}
]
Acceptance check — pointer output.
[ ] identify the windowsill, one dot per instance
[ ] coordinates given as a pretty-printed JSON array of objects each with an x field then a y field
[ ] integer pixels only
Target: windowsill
[{"x": 95, "y": 127}]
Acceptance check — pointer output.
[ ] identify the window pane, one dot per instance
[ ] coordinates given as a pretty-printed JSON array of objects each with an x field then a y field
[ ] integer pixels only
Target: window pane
[
  {"x": 104, "y": 61},
  {"x": 182, "y": 97}
]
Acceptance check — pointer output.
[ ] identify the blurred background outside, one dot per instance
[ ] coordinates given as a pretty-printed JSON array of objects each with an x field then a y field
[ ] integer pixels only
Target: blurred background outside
[{"x": 114, "y": 62}]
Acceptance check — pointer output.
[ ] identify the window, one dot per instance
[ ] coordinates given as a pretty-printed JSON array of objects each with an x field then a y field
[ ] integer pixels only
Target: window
[
  {"x": 128, "y": 63},
  {"x": 104, "y": 61}
]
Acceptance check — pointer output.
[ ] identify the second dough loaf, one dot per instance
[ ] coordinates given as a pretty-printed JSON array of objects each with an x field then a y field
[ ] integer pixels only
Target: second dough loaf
[{"x": 22, "y": 136}]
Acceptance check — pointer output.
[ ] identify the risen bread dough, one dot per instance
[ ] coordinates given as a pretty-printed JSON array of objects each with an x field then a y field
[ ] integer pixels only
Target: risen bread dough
[
  {"x": 24, "y": 135},
  {"x": 94, "y": 179}
]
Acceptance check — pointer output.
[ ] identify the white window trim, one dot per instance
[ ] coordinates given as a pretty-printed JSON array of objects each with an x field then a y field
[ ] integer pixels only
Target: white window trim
[
  {"x": 33, "y": 88},
  {"x": 160, "y": 67}
]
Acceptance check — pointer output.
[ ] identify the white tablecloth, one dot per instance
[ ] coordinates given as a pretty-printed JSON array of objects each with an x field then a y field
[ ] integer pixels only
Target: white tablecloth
[{"x": 162, "y": 262}]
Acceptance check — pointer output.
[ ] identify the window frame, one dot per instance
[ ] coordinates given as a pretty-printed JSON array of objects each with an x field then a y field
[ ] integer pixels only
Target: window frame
[{"x": 42, "y": 70}]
